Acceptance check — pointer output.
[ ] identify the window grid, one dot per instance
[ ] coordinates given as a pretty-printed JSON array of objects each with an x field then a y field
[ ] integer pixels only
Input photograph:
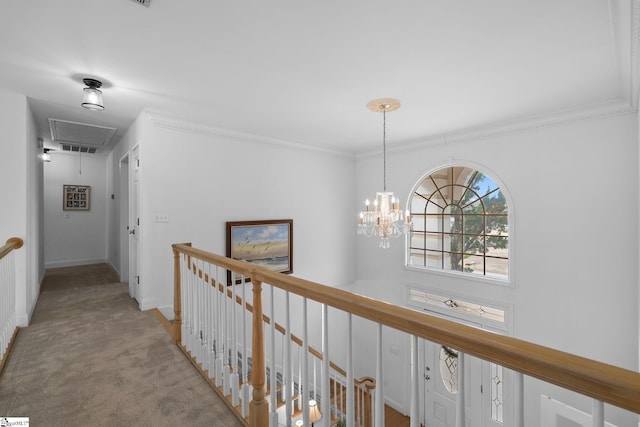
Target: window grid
[{"x": 460, "y": 224}]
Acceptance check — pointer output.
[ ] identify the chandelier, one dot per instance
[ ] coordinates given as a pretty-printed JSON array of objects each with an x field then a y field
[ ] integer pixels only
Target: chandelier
[{"x": 385, "y": 218}]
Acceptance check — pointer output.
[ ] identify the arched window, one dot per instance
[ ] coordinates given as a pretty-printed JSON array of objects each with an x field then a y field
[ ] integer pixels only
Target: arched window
[{"x": 460, "y": 223}]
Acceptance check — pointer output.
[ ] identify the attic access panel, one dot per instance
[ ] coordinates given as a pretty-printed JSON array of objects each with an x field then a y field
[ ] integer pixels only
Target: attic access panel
[{"x": 75, "y": 133}]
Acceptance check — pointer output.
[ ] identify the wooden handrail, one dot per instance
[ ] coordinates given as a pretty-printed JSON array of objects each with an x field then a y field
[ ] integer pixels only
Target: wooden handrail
[
  {"x": 607, "y": 383},
  {"x": 12, "y": 243}
]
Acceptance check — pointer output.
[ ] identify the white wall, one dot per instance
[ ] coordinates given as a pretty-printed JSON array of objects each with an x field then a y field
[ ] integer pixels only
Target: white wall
[
  {"x": 35, "y": 216},
  {"x": 202, "y": 179},
  {"x": 574, "y": 189},
  {"x": 116, "y": 224},
  {"x": 19, "y": 171},
  {"x": 74, "y": 237}
]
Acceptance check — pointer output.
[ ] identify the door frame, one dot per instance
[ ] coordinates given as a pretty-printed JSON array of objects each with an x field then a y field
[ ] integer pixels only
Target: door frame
[
  {"x": 135, "y": 226},
  {"x": 124, "y": 219},
  {"x": 503, "y": 328}
]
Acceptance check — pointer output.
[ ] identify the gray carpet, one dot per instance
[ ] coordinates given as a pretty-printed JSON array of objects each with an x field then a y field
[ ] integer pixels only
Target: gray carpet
[{"x": 91, "y": 358}]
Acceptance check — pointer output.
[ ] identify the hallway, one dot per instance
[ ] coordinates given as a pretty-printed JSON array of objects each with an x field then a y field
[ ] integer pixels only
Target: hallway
[{"x": 91, "y": 358}]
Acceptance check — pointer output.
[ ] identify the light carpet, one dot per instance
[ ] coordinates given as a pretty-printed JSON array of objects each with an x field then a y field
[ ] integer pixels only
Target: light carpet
[{"x": 90, "y": 357}]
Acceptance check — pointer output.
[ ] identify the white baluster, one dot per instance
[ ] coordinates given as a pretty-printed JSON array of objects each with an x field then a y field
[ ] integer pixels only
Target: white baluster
[
  {"x": 219, "y": 339},
  {"x": 300, "y": 352},
  {"x": 235, "y": 378},
  {"x": 211, "y": 322},
  {"x": 286, "y": 369},
  {"x": 304, "y": 381},
  {"x": 325, "y": 386},
  {"x": 519, "y": 399},
  {"x": 273, "y": 420},
  {"x": 350, "y": 419},
  {"x": 598, "y": 413},
  {"x": 460, "y": 401},
  {"x": 183, "y": 300},
  {"x": 245, "y": 358},
  {"x": 198, "y": 314},
  {"x": 188, "y": 305},
  {"x": 379, "y": 394},
  {"x": 226, "y": 374},
  {"x": 202, "y": 317},
  {"x": 415, "y": 382},
  {"x": 205, "y": 316}
]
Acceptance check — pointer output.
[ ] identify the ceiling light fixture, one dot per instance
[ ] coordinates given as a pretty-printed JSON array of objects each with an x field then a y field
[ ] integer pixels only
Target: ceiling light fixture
[
  {"x": 385, "y": 220},
  {"x": 92, "y": 95},
  {"x": 46, "y": 157}
]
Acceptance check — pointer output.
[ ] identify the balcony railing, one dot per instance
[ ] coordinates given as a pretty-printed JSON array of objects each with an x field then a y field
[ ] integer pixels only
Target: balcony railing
[
  {"x": 267, "y": 375},
  {"x": 8, "y": 327}
]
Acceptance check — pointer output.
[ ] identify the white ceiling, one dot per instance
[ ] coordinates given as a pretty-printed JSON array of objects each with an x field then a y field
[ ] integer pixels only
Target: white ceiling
[{"x": 303, "y": 70}]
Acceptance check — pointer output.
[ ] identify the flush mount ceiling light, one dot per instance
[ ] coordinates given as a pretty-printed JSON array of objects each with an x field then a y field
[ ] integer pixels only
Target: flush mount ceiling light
[
  {"x": 92, "y": 95},
  {"x": 385, "y": 220}
]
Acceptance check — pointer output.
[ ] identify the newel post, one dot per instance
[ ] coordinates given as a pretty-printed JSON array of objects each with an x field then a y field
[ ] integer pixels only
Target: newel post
[
  {"x": 177, "y": 300},
  {"x": 258, "y": 407}
]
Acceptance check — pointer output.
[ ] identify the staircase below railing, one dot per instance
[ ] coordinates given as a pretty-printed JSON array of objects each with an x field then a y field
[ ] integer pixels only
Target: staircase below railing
[
  {"x": 8, "y": 327},
  {"x": 214, "y": 296}
]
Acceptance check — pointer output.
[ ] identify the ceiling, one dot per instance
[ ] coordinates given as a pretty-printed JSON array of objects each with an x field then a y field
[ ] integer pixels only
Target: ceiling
[{"x": 303, "y": 71}]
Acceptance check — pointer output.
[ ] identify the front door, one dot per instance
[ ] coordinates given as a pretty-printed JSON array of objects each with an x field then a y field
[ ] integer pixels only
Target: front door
[
  {"x": 483, "y": 385},
  {"x": 440, "y": 385}
]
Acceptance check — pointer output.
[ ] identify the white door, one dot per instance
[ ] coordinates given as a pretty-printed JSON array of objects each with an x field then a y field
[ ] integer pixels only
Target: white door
[
  {"x": 440, "y": 386},
  {"x": 483, "y": 389},
  {"x": 134, "y": 225}
]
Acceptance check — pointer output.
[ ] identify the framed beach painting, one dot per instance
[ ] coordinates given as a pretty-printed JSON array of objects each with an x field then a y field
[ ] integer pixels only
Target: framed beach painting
[{"x": 266, "y": 243}]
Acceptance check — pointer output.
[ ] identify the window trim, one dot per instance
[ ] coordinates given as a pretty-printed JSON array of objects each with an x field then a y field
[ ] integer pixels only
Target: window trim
[{"x": 509, "y": 281}]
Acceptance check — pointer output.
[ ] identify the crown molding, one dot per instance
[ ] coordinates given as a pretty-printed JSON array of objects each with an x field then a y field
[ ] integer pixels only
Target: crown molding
[
  {"x": 164, "y": 121},
  {"x": 526, "y": 124}
]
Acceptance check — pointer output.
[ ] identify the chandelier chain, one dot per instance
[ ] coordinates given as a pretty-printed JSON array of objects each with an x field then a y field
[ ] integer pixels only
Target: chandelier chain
[{"x": 384, "y": 149}]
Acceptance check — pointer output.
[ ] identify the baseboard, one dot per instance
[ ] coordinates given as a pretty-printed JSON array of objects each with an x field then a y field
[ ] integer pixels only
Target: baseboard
[
  {"x": 33, "y": 307},
  {"x": 22, "y": 321},
  {"x": 168, "y": 326},
  {"x": 74, "y": 262},
  {"x": 148, "y": 304},
  {"x": 167, "y": 311},
  {"x": 114, "y": 269}
]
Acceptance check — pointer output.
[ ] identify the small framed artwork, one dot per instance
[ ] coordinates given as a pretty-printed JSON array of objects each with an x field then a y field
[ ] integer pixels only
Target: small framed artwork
[
  {"x": 76, "y": 197},
  {"x": 267, "y": 243}
]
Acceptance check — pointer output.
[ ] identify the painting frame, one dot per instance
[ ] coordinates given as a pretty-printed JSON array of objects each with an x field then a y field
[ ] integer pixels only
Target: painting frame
[
  {"x": 268, "y": 243},
  {"x": 76, "y": 197}
]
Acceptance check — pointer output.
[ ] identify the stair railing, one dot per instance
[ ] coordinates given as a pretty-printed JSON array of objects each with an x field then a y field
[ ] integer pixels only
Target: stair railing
[
  {"x": 8, "y": 328},
  {"x": 214, "y": 329},
  {"x": 602, "y": 382}
]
